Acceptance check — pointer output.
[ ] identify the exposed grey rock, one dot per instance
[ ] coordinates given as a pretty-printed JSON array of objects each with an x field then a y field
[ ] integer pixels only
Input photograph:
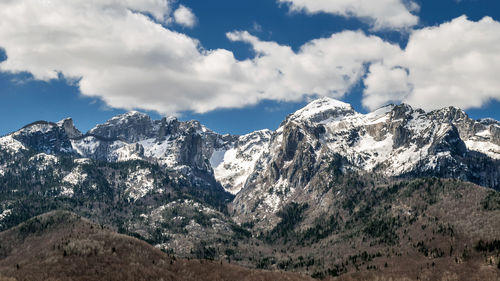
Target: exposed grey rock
[{"x": 132, "y": 126}]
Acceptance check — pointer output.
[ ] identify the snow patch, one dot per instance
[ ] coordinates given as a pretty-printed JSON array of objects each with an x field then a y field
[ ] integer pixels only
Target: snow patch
[
  {"x": 488, "y": 148},
  {"x": 139, "y": 183},
  {"x": 77, "y": 176},
  {"x": 10, "y": 144},
  {"x": 5, "y": 214},
  {"x": 217, "y": 157},
  {"x": 86, "y": 146},
  {"x": 125, "y": 153},
  {"x": 484, "y": 134},
  {"x": 66, "y": 191},
  {"x": 83, "y": 161},
  {"x": 43, "y": 161},
  {"x": 233, "y": 166},
  {"x": 165, "y": 152}
]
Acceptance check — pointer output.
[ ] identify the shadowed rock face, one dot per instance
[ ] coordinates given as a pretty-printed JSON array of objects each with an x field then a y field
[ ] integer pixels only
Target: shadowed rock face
[
  {"x": 192, "y": 151},
  {"x": 449, "y": 141},
  {"x": 495, "y": 134},
  {"x": 69, "y": 128},
  {"x": 47, "y": 137}
]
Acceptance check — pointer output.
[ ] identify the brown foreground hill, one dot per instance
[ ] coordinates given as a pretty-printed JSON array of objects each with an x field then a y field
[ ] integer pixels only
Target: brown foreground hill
[
  {"x": 64, "y": 246},
  {"x": 428, "y": 229}
]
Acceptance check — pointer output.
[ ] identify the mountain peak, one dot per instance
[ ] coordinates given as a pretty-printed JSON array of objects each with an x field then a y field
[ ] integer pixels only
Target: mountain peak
[
  {"x": 69, "y": 128},
  {"x": 323, "y": 109},
  {"x": 131, "y": 126},
  {"x": 329, "y": 102}
]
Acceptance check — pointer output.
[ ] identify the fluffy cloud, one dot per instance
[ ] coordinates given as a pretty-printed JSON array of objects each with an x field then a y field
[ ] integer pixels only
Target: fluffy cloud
[
  {"x": 185, "y": 17},
  {"x": 326, "y": 67},
  {"x": 131, "y": 61},
  {"x": 456, "y": 63},
  {"x": 382, "y": 14},
  {"x": 385, "y": 85},
  {"x": 120, "y": 52}
]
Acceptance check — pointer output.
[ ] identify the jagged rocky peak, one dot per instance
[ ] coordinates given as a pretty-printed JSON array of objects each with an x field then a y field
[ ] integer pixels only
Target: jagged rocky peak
[
  {"x": 392, "y": 141},
  {"x": 169, "y": 126},
  {"x": 131, "y": 127},
  {"x": 451, "y": 114},
  {"x": 323, "y": 110},
  {"x": 402, "y": 112},
  {"x": 489, "y": 121},
  {"x": 69, "y": 128}
]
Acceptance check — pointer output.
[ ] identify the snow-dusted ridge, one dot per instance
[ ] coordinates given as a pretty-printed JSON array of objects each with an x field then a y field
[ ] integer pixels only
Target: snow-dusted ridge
[
  {"x": 393, "y": 140},
  {"x": 323, "y": 109}
]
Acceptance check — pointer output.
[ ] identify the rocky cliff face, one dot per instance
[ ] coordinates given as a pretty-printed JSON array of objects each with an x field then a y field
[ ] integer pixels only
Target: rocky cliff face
[{"x": 130, "y": 127}]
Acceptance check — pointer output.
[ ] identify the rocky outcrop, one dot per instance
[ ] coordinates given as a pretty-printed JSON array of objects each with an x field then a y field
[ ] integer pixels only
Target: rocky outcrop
[{"x": 130, "y": 127}]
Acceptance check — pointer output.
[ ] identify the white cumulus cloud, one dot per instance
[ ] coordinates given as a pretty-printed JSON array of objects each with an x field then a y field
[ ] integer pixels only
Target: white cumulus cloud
[
  {"x": 326, "y": 67},
  {"x": 381, "y": 14},
  {"x": 117, "y": 52},
  {"x": 456, "y": 63},
  {"x": 131, "y": 61},
  {"x": 185, "y": 17}
]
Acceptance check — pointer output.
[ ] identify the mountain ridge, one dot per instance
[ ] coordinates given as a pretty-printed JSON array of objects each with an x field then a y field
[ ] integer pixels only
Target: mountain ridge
[{"x": 134, "y": 135}]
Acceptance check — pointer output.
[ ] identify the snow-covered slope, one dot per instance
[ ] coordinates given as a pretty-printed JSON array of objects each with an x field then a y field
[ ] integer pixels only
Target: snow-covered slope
[{"x": 234, "y": 164}]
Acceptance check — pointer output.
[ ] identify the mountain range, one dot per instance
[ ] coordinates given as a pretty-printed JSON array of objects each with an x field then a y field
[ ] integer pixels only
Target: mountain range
[{"x": 331, "y": 192}]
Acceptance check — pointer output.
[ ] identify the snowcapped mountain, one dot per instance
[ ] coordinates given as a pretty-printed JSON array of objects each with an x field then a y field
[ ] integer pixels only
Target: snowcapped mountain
[
  {"x": 394, "y": 141},
  {"x": 187, "y": 147},
  {"x": 48, "y": 137},
  {"x": 391, "y": 142}
]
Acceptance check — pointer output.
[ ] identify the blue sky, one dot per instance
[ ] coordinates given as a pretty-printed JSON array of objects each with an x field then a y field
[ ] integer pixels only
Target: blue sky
[{"x": 27, "y": 96}]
